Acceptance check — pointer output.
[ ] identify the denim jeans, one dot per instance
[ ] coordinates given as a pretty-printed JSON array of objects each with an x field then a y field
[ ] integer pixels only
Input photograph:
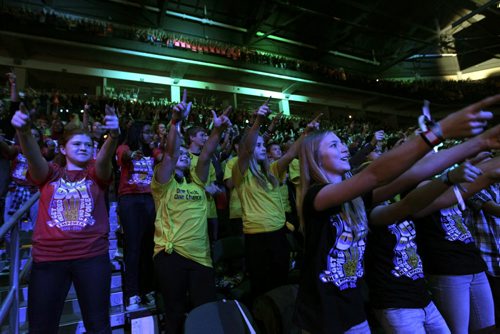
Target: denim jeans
[
  {"x": 361, "y": 328},
  {"x": 49, "y": 285},
  {"x": 33, "y": 211},
  {"x": 495, "y": 289},
  {"x": 412, "y": 320},
  {"x": 465, "y": 301},
  {"x": 137, "y": 217}
]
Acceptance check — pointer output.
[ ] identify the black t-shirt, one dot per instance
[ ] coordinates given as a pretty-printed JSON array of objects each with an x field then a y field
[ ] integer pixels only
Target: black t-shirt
[
  {"x": 329, "y": 298},
  {"x": 393, "y": 267},
  {"x": 446, "y": 246}
]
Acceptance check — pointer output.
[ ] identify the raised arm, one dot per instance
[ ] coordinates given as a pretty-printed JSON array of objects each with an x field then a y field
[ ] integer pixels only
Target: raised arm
[
  {"x": 167, "y": 165},
  {"x": 247, "y": 145},
  {"x": 293, "y": 151},
  {"x": 466, "y": 122},
  {"x": 491, "y": 208},
  {"x": 491, "y": 174},
  {"x": 360, "y": 156},
  {"x": 7, "y": 151},
  {"x": 435, "y": 163},
  {"x": 220, "y": 124},
  {"x": 423, "y": 196},
  {"x": 103, "y": 163},
  {"x": 270, "y": 129},
  {"x": 14, "y": 96},
  {"x": 37, "y": 165},
  {"x": 86, "y": 117}
]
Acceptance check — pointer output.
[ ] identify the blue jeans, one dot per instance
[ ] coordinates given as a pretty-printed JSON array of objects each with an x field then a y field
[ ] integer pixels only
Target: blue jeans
[
  {"x": 465, "y": 301},
  {"x": 49, "y": 285},
  {"x": 361, "y": 328},
  {"x": 412, "y": 320}
]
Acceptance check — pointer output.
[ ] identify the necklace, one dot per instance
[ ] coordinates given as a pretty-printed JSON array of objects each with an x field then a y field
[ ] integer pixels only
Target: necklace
[{"x": 75, "y": 176}]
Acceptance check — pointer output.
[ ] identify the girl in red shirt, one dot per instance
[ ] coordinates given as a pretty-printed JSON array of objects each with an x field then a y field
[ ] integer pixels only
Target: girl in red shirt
[{"x": 70, "y": 240}]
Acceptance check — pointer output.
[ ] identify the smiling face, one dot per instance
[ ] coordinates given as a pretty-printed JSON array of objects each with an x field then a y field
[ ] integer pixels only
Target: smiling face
[
  {"x": 259, "y": 152},
  {"x": 334, "y": 157},
  {"x": 184, "y": 160},
  {"x": 78, "y": 150},
  {"x": 274, "y": 152}
]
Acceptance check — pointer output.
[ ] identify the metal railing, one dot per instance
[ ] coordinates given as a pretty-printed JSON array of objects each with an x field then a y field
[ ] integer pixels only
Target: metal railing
[{"x": 11, "y": 303}]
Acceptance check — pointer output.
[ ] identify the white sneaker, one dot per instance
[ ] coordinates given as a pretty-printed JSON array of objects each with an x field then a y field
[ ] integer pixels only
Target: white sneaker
[{"x": 133, "y": 303}]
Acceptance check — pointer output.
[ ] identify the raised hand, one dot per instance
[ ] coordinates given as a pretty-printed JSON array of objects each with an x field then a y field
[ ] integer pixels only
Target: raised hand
[
  {"x": 263, "y": 110},
  {"x": 21, "y": 119},
  {"x": 111, "y": 122},
  {"x": 469, "y": 121},
  {"x": 378, "y": 136},
  {"x": 491, "y": 138},
  {"x": 466, "y": 172},
  {"x": 223, "y": 120},
  {"x": 12, "y": 77},
  {"x": 313, "y": 125},
  {"x": 275, "y": 121},
  {"x": 181, "y": 110}
]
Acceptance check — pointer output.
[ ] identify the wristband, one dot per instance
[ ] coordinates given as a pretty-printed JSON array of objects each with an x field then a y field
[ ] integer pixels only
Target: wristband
[
  {"x": 436, "y": 129},
  {"x": 174, "y": 121},
  {"x": 445, "y": 178},
  {"x": 430, "y": 138},
  {"x": 459, "y": 197}
]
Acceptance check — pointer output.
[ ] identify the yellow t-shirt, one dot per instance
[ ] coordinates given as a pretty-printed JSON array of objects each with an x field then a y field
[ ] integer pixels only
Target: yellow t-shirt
[
  {"x": 263, "y": 210},
  {"x": 181, "y": 219},
  {"x": 284, "y": 196},
  {"x": 234, "y": 199},
  {"x": 212, "y": 208}
]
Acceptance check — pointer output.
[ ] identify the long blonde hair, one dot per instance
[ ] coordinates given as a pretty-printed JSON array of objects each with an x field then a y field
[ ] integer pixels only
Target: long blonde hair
[
  {"x": 312, "y": 173},
  {"x": 261, "y": 171}
]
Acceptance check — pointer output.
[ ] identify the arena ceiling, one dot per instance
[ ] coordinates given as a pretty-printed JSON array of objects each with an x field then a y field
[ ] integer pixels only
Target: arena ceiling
[{"x": 373, "y": 39}]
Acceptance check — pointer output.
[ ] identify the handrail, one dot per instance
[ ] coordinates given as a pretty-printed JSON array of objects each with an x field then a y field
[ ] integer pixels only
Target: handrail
[
  {"x": 19, "y": 213},
  {"x": 11, "y": 303}
]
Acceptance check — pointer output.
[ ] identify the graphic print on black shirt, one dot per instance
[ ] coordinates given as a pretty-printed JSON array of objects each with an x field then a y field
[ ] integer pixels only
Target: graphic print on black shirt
[
  {"x": 453, "y": 225},
  {"x": 345, "y": 259},
  {"x": 406, "y": 260}
]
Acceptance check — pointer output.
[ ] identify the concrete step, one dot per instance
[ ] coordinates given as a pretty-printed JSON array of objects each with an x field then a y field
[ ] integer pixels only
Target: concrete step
[
  {"x": 71, "y": 305},
  {"x": 116, "y": 283},
  {"x": 72, "y": 323}
]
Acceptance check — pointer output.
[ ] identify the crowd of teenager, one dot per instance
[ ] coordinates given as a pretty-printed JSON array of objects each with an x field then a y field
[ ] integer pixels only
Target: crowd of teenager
[
  {"x": 442, "y": 91},
  {"x": 371, "y": 210}
]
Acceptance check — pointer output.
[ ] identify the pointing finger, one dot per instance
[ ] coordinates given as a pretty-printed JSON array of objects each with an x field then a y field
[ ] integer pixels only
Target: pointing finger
[
  {"x": 23, "y": 108},
  {"x": 317, "y": 117},
  {"x": 214, "y": 114},
  {"x": 267, "y": 101},
  {"x": 184, "y": 96},
  {"x": 227, "y": 111}
]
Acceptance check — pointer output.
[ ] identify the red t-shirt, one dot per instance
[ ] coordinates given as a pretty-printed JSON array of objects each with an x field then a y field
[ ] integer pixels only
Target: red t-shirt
[
  {"x": 72, "y": 218},
  {"x": 135, "y": 175}
]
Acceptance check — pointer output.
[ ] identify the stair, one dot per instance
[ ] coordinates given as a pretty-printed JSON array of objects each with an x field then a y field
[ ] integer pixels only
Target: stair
[{"x": 71, "y": 320}]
